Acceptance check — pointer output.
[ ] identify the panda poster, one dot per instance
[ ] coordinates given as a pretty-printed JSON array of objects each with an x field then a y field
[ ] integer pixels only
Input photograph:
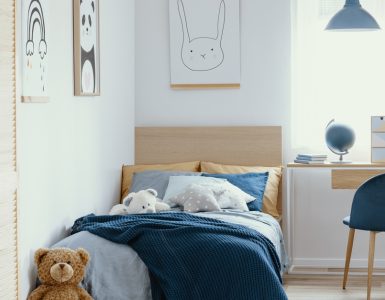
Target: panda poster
[
  {"x": 86, "y": 47},
  {"x": 35, "y": 50},
  {"x": 204, "y": 43}
]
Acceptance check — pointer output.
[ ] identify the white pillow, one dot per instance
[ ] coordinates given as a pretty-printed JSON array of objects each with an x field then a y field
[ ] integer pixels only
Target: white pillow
[
  {"x": 176, "y": 184},
  {"x": 230, "y": 196},
  {"x": 195, "y": 198},
  {"x": 226, "y": 194}
]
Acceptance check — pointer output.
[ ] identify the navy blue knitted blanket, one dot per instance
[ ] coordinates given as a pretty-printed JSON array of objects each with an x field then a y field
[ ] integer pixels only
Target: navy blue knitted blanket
[{"x": 191, "y": 257}]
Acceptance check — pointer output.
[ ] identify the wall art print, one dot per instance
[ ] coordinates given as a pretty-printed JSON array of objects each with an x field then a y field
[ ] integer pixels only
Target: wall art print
[
  {"x": 35, "y": 51},
  {"x": 86, "y": 48},
  {"x": 204, "y": 43}
]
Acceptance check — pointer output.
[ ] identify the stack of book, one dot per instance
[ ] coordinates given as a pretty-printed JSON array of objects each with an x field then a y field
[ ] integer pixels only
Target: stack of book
[{"x": 311, "y": 158}]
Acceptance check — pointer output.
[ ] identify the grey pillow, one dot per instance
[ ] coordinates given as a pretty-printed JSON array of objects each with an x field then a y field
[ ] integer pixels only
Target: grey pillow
[
  {"x": 157, "y": 180},
  {"x": 196, "y": 198}
]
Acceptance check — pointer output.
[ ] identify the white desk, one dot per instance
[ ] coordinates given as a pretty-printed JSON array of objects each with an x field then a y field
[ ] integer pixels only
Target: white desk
[{"x": 318, "y": 197}]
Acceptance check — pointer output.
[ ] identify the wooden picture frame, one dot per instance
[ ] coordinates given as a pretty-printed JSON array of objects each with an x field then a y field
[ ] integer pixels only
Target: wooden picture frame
[
  {"x": 35, "y": 51},
  {"x": 86, "y": 47}
]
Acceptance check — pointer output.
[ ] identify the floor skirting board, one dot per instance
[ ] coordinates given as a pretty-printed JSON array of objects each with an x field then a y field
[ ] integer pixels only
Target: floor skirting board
[
  {"x": 296, "y": 270},
  {"x": 335, "y": 263}
]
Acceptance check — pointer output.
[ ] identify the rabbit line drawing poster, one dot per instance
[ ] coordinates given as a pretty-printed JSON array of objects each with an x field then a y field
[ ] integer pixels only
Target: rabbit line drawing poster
[
  {"x": 34, "y": 49},
  {"x": 204, "y": 43}
]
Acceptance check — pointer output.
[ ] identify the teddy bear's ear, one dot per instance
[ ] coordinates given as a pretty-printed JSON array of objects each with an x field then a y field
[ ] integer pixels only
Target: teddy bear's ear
[
  {"x": 126, "y": 201},
  {"x": 39, "y": 254},
  {"x": 83, "y": 254},
  {"x": 153, "y": 192}
]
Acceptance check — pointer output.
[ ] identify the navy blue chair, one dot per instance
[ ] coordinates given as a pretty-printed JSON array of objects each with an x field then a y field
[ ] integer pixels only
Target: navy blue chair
[{"x": 368, "y": 213}]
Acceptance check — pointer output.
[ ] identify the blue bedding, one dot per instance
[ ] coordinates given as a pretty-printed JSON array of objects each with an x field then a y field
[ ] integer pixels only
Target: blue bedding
[{"x": 192, "y": 257}]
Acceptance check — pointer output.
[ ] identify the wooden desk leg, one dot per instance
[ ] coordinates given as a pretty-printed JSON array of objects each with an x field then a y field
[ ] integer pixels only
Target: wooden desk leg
[
  {"x": 372, "y": 245},
  {"x": 348, "y": 256}
]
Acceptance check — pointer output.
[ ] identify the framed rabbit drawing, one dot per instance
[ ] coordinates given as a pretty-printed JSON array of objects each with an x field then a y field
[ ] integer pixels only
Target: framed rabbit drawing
[
  {"x": 204, "y": 43},
  {"x": 86, "y": 47}
]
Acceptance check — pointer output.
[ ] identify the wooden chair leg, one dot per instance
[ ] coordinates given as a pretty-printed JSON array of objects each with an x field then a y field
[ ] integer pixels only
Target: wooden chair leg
[
  {"x": 372, "y": 245},
  {"x": 348, "y": 256}
]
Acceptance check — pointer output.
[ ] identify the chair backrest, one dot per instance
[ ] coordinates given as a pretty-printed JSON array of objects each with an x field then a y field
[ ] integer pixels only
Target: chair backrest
[{"x": 368, "y": 208}]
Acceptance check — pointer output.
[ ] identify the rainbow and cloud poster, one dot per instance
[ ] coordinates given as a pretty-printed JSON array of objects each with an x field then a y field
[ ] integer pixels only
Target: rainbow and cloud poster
[{"x": 35, "y": 50}]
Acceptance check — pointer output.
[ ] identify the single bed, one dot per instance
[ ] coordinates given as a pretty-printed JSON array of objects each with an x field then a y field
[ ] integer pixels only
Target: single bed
[{"x": 117, "y": 271}]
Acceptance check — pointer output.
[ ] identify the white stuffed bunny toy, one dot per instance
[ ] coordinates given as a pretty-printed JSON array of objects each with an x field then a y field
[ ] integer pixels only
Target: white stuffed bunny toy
[{"x": 142, "y": 202}]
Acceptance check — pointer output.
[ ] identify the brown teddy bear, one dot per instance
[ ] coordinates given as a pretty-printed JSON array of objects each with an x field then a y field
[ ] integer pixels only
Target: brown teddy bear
[{"x": 60, "y": 271}]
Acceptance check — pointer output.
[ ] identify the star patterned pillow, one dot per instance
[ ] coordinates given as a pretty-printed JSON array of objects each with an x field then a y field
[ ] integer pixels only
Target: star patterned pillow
[{"x": 195, "y": 198}]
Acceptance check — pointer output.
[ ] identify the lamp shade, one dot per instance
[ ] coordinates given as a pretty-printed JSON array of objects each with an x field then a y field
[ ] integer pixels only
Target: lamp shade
[{"x": 352, "y": 17}]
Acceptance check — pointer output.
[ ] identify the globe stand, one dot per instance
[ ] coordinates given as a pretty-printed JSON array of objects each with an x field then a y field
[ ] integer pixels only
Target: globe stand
[{"x": 341, "y": 161}]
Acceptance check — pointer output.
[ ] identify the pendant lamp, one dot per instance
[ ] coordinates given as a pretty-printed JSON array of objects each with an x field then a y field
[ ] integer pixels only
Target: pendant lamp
[{"x": 352, "y": 17}]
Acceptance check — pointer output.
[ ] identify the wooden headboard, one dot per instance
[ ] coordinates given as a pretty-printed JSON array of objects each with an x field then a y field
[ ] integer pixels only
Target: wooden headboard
[{"x": 248, "y": 146}]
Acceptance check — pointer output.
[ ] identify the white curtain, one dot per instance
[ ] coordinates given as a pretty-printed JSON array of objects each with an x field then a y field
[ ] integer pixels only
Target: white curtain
[
  {"x": 8, "y": 204},
  {"x": 336, "y": 75}
]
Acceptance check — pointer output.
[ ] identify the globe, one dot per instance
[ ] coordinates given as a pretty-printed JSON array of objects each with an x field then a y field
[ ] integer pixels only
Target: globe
[{"x": 339, "y": 138}]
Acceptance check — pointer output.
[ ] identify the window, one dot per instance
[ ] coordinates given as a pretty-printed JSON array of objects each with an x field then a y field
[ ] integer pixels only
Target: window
[
  {"x": 8, "y": 208},
  {"x": 336, "y": 75}
]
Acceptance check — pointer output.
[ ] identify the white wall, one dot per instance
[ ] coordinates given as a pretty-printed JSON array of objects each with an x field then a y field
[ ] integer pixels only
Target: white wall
[
  {"x": 265, "y": 70},
  {"x": 70, "y": 150}
]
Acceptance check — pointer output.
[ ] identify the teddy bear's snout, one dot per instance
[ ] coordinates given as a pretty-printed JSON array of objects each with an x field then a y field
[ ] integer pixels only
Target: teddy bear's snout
[{"x": 61, "y": 272}]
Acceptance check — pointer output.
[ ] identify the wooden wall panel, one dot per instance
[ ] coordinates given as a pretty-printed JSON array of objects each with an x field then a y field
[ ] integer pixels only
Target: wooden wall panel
[{"x": 247, "y": 146}]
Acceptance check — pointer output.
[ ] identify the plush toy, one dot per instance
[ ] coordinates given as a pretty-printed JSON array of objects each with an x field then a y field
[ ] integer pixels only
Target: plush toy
[
  {"x": 60, "y": 271},
  {"x": 119, "y": 209},
  {"x": 142, "y": 202}
]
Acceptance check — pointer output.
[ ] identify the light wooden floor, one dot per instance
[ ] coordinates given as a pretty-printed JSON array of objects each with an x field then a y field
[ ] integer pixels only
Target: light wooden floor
[{"x": 328, "y": 287}]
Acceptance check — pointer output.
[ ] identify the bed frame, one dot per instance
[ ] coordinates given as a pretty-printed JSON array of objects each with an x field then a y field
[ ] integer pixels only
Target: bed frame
[{"x": 248, "y": 146}]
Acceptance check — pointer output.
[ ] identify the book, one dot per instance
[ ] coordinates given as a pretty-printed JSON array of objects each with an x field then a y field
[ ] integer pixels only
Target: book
[
  {"x": 309, "y": 162},
  {"x": 312, "y": 155},
  {"x": 311, "y": 158}
]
